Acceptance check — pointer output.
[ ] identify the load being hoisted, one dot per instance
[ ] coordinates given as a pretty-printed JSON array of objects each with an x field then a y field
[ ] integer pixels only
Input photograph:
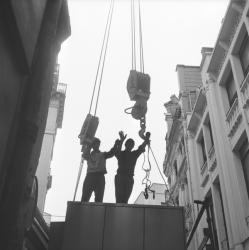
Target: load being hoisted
[
  {"x": 138, "y": 87},
  {"x": 138, "y": 84}
]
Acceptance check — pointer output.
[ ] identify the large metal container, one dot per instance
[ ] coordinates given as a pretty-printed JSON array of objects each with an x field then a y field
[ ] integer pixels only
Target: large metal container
[{"x": 102, "y": 226}]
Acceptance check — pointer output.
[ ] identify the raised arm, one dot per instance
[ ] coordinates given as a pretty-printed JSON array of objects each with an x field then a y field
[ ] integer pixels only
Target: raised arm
[
  {"x": 86, "y": 151},
  {"x": 112, "y": 151},
  {"x": 116, "y": 149},
  {"x": 122, "y": 137},
  {"x": 146, "y": 142}
]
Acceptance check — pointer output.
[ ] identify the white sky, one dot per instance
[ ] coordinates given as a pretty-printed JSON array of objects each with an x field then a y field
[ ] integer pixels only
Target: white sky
[{"x": 173, "y": 33}]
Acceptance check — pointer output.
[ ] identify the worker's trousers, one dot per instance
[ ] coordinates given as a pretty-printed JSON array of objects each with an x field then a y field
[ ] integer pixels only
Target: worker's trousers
[
  {"x": 123, "y": 187},
  {"x": 94, "y": 182}
]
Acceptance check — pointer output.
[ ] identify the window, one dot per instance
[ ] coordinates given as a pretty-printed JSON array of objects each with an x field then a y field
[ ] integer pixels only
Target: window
[
  {"x": 192, "y": 98},
  {"x": 169, "y": 181},
  {"x": 231, "y": 89},
  {"x": 203, "y": 150},
  {"x": 175, "y": 167},
  {"x": 244, "y": 55},
  {"x": 182, "y": 144},
  {"x": 211, "y": 133},
  {"x": 244, "y": 157},
  {"x": 180, "y": 148}
]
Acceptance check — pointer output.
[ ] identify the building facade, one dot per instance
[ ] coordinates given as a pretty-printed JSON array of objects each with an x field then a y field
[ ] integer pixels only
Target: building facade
[
  {"x": 176, "y": 163},
  {"x": 216, "y": 137},
  {"x": 54, "y": 121}
]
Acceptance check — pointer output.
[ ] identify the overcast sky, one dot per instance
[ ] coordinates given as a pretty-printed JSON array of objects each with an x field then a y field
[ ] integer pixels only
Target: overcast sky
[{"x": 173, "y": 33}]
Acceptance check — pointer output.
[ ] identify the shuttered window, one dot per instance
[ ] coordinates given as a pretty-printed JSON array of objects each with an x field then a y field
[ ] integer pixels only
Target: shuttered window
[
  {"x": 231, "y": 89},
  {"x": 244, "y": 55}
]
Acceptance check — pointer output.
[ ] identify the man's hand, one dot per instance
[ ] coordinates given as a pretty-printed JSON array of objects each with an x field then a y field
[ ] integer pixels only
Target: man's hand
[
  {"x": 147, "y": 138},
  {"x": 122, "y": 136}
]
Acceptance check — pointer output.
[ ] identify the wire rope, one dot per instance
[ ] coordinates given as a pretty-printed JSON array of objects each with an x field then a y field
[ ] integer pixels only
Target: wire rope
[
  {"x": 141, "y": 39},
  {"x": 132, "y": 38},
  {"x": 101, "y": 54},
  {"x": 107, "y": 40},
  {"x": 133, "y": 32}
]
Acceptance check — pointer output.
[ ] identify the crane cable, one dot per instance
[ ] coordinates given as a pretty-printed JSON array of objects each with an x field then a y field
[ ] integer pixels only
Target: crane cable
[
  {"x": 133, "y": 36},
  {"x": 102, "y": 58},
  {"x": 141, "y": 39}
]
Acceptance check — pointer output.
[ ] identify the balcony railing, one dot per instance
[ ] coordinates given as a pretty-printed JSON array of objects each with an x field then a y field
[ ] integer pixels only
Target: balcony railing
[
  {"x": 62, "y": 88},
  {"x": 212, "y": 159},
  {"x": 233, "y": 117},
  {"x": 55, "y": 76},
  {"x": 203, "y": 168},
  {"x": 245, "y": 91},
  {"x": 211, "y": 152}
]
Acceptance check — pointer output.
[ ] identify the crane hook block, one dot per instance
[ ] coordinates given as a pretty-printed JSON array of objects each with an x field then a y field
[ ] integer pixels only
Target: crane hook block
[
  {"x": 138, "y": 85},
  {"x": 139, "y": 109},
  {"x": 88, "y": 129}
]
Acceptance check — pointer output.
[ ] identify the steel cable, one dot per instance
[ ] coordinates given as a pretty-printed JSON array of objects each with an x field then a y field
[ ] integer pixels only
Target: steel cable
[{"x": 107, "y": 40}]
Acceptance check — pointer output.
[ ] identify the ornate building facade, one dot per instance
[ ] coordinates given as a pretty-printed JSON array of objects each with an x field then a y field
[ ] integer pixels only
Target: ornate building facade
[
  {"x": 216, "y": 133},
  {"x": 54, "y": 121}
]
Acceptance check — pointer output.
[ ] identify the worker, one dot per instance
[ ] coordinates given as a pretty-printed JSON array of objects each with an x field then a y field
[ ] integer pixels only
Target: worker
[
  {"x": 126, "y": 164},
  {"x": 96, "y": 170}
]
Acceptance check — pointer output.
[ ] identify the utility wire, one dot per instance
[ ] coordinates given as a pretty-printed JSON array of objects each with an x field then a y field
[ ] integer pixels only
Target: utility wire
[{"x": 107, "y": 40}]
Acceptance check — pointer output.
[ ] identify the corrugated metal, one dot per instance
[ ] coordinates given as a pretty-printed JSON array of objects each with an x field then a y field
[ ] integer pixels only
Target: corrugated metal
[{"x": 101, "y": 226}]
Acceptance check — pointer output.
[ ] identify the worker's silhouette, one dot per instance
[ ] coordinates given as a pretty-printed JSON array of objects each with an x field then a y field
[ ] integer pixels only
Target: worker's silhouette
[
  {"x": 96, "y": 170},
  {"x": 126, "y": 164}
]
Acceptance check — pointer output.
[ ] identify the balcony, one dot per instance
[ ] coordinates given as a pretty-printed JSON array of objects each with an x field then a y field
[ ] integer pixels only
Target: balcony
[
  {"x": 55, "y": 77},
  {"x": 244, "y": 89},
  {"x": 204, "y": 168},
  {"x": 233, "y": 119},
  {"x": 212, "y": 163},
  {"x": 204, "y": 174},
  {"x": 49, "y": 182},
  {"x": 225, "y": 39}
]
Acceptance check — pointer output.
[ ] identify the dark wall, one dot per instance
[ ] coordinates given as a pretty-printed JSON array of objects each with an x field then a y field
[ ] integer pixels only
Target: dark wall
[{"x": 31, "y": 33}]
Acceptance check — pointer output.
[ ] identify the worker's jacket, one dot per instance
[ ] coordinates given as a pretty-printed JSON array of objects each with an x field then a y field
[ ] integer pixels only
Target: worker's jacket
[{"x": 96, "y": 160}]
